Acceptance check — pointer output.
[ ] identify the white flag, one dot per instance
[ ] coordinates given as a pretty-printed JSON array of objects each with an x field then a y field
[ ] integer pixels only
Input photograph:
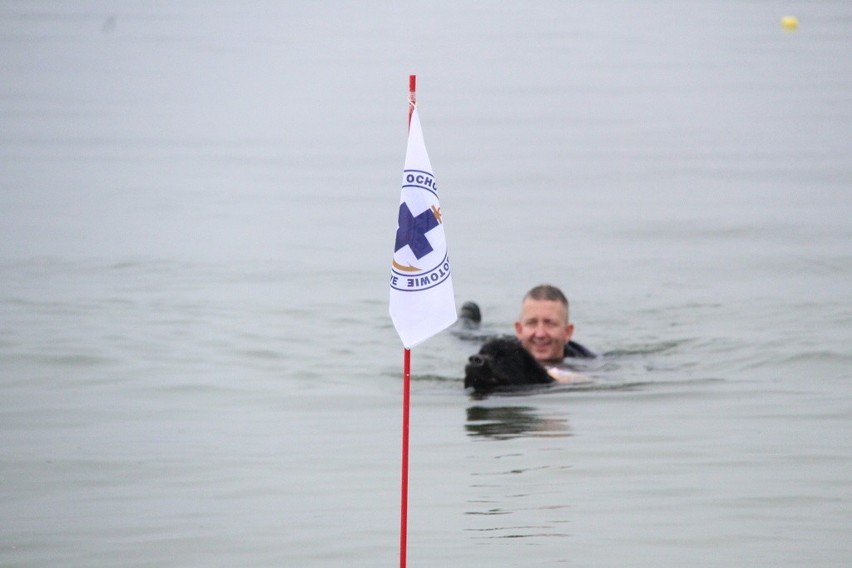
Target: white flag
[{"x": 422, "y": 302}]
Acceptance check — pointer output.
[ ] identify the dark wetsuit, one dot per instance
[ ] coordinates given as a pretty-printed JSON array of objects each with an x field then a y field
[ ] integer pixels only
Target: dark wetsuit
[{"x": 577, "y": 351}]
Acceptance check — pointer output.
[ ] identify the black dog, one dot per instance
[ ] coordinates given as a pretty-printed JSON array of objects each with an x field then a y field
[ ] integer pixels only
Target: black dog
[{"x": 501, "y": 363}]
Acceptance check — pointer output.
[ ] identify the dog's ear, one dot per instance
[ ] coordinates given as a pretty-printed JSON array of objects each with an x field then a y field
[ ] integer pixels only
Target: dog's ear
[
  {"x": 535, "y": 370},
  {"x": 530, "y": 361}
]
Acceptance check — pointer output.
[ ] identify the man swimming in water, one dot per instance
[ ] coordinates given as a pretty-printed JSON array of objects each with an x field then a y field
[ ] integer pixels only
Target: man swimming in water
[
  {"x": 543, "y": 327},
  {"x": 542, "y": 334}
]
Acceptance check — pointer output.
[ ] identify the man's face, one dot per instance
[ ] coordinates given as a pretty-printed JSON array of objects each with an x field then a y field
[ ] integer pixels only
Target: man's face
[{"x": 543, "y": 329}]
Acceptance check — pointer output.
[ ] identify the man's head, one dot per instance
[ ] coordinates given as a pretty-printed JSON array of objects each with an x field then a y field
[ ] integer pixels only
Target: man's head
[{"x": 543, "y": 327}]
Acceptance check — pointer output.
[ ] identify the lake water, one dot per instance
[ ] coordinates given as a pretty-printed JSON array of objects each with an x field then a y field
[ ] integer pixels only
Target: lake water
[{"x": 198, "y": 203}]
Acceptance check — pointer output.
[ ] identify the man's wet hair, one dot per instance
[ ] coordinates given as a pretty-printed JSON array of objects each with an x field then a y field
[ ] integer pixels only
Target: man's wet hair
[{"x": 548, "y": 292}]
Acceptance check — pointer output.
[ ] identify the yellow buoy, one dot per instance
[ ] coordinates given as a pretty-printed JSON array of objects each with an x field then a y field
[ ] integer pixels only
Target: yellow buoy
[{"x": 789, "y": 22}]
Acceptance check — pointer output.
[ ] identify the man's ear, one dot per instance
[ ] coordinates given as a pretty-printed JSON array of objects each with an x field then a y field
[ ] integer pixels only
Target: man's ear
[{"x": 569, "y": 331}]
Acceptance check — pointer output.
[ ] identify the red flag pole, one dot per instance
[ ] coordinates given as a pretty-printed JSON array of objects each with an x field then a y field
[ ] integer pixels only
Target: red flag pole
[
  {"x": 412, "y": 97},
  {"x": 406, "y": 398}
]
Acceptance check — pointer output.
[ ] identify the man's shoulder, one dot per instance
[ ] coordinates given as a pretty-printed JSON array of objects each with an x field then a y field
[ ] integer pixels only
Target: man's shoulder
[{"x": 577, "y": 351}]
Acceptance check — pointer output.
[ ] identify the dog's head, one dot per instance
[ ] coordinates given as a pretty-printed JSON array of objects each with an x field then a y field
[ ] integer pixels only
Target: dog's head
[{"x": 503, "y": 362}]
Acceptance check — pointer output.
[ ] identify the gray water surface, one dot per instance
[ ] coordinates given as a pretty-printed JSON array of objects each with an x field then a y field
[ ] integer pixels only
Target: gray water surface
[{"x": 197, "y": 206}]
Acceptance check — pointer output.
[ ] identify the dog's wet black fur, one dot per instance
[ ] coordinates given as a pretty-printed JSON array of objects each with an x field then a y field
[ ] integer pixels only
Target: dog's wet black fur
[{"x": 503, "y": 363}]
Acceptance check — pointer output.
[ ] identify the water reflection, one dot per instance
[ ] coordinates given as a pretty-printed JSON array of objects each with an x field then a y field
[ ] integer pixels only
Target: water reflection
[{"x": 507, "y": 422}]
